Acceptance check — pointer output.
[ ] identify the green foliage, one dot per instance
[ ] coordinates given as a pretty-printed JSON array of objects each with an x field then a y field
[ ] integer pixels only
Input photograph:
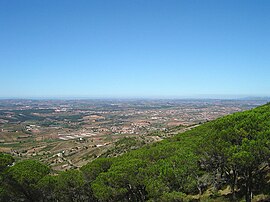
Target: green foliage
[
  {"x": 155, "y": 188},
  {"x": 121, "y": 182},
  {"x": 48, "y": 187},
  {"x": 174, "y": 197},
  {"x": 70, "y": 185},
  {"x": 233, "y": 150},
  {"x": 237, "y": 146},
  {"x": 5, "y": 161},
  {"x": 23, "y": 178},
  {"x": 93, "y": 169}
]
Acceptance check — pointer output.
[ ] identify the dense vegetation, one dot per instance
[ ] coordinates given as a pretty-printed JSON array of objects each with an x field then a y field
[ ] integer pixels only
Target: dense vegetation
[{"x": 229, "y": 153}]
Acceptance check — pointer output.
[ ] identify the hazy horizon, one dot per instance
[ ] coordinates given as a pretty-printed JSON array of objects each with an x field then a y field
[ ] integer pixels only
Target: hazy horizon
[{"x": 217, "y": 97}]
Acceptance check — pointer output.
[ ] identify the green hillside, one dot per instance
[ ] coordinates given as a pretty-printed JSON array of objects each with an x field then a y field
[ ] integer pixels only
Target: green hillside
[{"x": 223, "y": 160}]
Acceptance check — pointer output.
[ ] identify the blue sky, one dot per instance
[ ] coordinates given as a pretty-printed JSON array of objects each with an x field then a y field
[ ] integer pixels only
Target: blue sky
[{"x": 134, "y": 48}]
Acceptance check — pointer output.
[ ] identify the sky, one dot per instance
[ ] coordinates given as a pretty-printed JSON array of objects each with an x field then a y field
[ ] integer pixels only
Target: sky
[{"x": 134, "y": 48}]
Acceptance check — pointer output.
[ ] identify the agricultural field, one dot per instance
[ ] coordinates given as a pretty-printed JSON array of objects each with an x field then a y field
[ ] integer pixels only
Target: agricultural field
[{"x": 70, "y": 133}]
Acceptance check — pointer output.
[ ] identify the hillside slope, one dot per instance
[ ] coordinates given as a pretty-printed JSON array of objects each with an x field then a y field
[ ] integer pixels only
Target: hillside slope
[{"x": 223, "y": 160}]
